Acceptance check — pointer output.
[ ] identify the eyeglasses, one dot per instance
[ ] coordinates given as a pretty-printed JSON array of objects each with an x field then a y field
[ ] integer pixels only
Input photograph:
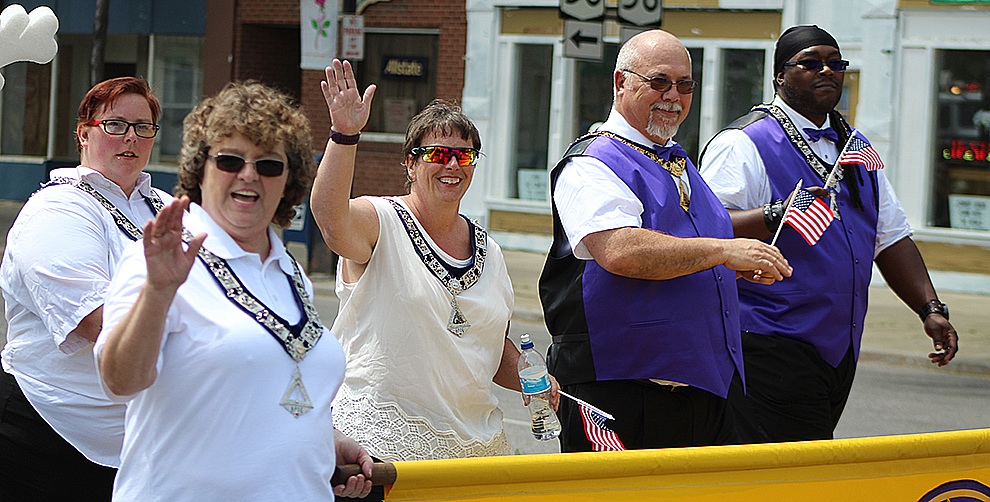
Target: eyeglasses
[
  {"x": 661, "y": 84},
  {"x": 836, "y": 65},
  {"x": 116, "y": 127},
  {"x": 442, "y": 154},
  {"x": 233, "y": 164}
]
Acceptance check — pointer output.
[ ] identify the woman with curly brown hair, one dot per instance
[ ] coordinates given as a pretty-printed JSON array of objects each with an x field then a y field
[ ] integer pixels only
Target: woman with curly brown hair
[{"x": 226, "y": 368}]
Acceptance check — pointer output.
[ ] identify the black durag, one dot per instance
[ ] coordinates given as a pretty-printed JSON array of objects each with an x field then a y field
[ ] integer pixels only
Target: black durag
[{"x": 797, "y": 38}]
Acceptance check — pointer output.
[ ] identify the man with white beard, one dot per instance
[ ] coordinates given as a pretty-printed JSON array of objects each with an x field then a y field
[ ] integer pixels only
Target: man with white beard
[{"x": 639, "y": 288}]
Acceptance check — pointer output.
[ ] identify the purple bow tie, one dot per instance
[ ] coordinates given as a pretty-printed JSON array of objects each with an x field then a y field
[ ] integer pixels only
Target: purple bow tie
[
  {"x": 666, "y": 152},
  {"x": 817, "y": 134}
]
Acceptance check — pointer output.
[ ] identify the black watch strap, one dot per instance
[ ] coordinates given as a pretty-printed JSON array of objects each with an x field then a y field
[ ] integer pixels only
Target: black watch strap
[
  {"x": 344, "y": 139},
  {"x": 773, "y": 215},
  {"x": 933, "y": 307}
]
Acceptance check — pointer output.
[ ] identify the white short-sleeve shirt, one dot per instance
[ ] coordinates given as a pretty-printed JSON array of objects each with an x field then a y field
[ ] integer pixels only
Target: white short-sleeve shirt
[
  {"x": 211, "y": 427},
  {"x": 61, "y": 252},
  {"x": 734, "y": 170},
  {"x": 591, "y": 198}
]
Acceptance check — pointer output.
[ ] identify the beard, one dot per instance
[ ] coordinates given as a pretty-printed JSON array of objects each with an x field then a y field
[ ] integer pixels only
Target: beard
[
  {"x": 662, "y": 128},
  {"x": 805, "y": 101}
]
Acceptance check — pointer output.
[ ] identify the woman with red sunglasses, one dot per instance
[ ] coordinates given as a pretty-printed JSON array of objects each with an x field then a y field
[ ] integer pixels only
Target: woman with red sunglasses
[{"x": 425, "y": 298}]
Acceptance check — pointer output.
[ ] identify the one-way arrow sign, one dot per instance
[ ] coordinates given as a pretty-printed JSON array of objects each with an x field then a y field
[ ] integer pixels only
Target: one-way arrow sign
[{"x": 583, "y": 40}]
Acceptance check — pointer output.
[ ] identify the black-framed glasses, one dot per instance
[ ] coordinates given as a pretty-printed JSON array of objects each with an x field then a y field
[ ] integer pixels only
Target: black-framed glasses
[
  {"x": 836, "y": 65},
  {"x": 442, "y": 154},
  {"x": 117, "y": 127},
  {"x": 233, "y": 164},
  {"x": 661, "y": 84}
]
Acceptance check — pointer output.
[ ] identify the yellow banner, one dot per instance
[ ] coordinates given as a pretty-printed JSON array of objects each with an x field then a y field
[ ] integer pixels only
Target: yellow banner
[{"x": 919, "y": 467}]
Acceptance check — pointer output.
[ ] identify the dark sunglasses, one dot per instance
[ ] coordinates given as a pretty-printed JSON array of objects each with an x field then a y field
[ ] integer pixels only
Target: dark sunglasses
[
  {"x": 661, "y": 84},
  {"x": 233, "y": 164},
  {"x": 115, "y": 127},
  {"x": 442, "y": 154},
  {"x": 836, "y": 65}
]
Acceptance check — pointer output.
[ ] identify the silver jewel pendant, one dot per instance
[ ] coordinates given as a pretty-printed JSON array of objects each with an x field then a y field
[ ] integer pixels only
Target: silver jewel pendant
[
  {"x": 297, "y": 407},
  {"x": 457, "y": 324},
  {"x": 833, "y": 206}
]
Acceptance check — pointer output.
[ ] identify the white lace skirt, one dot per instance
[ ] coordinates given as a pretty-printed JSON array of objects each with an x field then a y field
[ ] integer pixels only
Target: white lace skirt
[{"x": 391, "y": 435}]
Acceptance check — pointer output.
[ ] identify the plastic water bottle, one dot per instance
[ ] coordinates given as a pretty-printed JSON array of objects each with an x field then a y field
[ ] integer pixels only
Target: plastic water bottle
[{"x": 536, "y": 385}]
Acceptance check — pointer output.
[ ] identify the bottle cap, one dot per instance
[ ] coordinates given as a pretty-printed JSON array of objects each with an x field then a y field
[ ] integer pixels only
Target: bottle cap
[{"x": 524, "y": 341}]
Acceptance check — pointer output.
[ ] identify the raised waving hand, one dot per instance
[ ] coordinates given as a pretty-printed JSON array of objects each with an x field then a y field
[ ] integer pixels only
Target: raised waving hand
[{"x": 349, "y": 110}]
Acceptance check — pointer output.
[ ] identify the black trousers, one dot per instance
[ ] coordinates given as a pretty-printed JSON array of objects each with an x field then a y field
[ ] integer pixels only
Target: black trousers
[
  {"x": 36, "y": 464},
  {"x": 648, "y": 415},
  {"x": 792, "y": 394}
]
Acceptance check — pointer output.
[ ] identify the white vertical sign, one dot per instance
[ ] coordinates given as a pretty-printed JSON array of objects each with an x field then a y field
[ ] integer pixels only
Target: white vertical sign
[
  {"x": 317, "y": 33},
  {"x": 352, "y": 38}
]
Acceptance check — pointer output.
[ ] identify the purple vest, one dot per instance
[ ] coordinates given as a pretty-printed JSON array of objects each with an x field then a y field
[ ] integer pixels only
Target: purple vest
[
  {"x": 684, "y": 329},
  {"x": 824, "y": 302}
]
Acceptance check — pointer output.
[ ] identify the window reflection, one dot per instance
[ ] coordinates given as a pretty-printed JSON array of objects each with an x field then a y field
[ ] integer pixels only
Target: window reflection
[
  {"x": 742, "y": 86},
  {"x": 961, "y": 197},
  {"x": 534, "y": 66},
  {"x": 404, "y": 67}
]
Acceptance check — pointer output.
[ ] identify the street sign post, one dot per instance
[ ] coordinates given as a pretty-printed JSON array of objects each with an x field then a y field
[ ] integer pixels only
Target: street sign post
[
  {"x": 352, "y": 38},
  {"x": 583, "y": 40},
  {"x": 640, "y": 12},
  {"x": 583, "y": 10}
]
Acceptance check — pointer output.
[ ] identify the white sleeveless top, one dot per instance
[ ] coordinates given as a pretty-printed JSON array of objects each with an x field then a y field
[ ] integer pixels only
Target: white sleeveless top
[{"x": 412, "y": 389}]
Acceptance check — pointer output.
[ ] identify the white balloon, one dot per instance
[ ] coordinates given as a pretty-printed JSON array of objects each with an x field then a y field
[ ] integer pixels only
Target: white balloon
[{"x": 27, "y": 37}]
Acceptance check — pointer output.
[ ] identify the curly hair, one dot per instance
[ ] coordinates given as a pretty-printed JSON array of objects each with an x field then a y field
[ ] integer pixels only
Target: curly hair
[
  {"x": 443, "y": 118},
  {"x": 104, "y": 94},
  {"x": 261, "y": 113}
]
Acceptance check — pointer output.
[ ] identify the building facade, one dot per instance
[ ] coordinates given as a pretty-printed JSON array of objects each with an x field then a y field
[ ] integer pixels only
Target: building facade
[
  {"x": 918, "y": 86},
  {"x": 161, "y": 40}
]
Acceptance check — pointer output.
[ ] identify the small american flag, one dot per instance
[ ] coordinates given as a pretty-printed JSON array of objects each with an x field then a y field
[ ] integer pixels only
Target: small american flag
[
  {"x": 602, "y": 438},
  {"x": 809, "y": 215},
  {"x": 859, "y": 151}
]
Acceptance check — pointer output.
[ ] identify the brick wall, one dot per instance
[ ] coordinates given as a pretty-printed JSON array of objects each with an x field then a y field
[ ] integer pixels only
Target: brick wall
[
  {"x": 266, "y": 48},
  {"x": 378, "y": 171}
]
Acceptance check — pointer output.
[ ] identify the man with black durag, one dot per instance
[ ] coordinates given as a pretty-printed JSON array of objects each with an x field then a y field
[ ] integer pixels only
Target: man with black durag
[{"x": 801, "y": 338}]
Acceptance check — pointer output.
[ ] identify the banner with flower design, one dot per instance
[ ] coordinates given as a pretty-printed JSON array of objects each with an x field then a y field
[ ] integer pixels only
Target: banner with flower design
[{"x": 318, "y": 33}]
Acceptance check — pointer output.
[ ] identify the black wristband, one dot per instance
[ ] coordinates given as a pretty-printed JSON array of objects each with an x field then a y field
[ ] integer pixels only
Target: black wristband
[
  {"x": 344, "y": 139},
  {"x": 773, "y": 214},
  {"x": 933, "y": 307}
]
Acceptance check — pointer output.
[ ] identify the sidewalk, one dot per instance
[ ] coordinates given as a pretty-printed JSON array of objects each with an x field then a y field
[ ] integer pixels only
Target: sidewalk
[{"x": 893, "y": 333}]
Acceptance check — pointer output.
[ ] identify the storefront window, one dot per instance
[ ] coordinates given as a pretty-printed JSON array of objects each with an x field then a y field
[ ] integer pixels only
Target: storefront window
[
  {"x": 961, "y": 183},
  {"x": 593, "y": 90},
  {"x": 687, "y": 134},
  {"x": 404, "y": 67},
  {"x": 24, "y": 109},
  {"x": 532, "y": 121},
  {"x": 178, "y": 75},
  {"x": 742, "y": 83},
  {"x": 176, "y": 79}
]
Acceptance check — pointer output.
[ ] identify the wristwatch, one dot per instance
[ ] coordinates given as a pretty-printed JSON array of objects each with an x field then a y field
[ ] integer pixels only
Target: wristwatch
[{"x": 933, "y": 307}]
